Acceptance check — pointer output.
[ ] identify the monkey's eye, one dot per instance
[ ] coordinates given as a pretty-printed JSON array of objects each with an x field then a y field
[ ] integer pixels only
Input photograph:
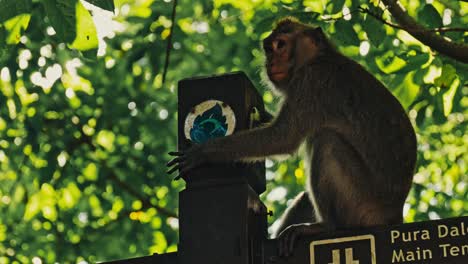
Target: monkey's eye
[{"x": 280, "y": 43}]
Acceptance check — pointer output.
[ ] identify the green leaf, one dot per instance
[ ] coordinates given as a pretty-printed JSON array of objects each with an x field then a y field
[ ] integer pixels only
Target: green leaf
[
  {"x": 448, "y": 75},
  {"x": 406, "y": 89},
  {"x": 375, "y": 30},
  {"x": 316, "y": 5},
  {"x": 91, "y": 172},
  {"x": 104, "y": 4},
  {"x": 449, "y": 82},
  {"x": 449, "y": 95},
  {"x": 106, "y": 138},
  {"x": 15, "y": 27},
  {"x": 33, "y": 207},
  {"x": 73, "y": 23},
  {"x": 265, "y": 25},
  {"x": 62, "y": 16},
  {"x": 12, "y": 8},
  {"x": 389, "y": 63},
  {"x": 430, "y": 17},
  {"x": 345, "y": 33},
  {"x": 69, "y": 196},
  {"x": 414, "y": 60},
  {"x": 336, "y": 6},
  {"x": 438, "y": 114},
  {"x": 86, "y": 34}
]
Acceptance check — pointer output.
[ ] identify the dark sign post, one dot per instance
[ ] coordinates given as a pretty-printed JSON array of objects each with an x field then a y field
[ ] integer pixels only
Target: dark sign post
[{"x": 222, "y": 219}]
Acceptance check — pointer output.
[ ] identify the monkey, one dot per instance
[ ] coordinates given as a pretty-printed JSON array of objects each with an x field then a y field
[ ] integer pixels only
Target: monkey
[{"x": 360, "y": 144}]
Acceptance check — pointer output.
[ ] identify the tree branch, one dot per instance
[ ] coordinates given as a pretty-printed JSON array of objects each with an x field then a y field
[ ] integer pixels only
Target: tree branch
[
  {"x": 169, "y": 41},
  {"x": 441, "y": 29},
  {"x": 457, "y": 51}
]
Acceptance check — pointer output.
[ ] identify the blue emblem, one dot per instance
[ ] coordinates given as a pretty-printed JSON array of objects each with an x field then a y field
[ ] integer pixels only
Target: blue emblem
[{"x": 210, "y": 124}]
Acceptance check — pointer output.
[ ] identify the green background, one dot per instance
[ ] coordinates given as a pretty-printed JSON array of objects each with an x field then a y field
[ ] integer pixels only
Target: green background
[{"x": 84, "y": 131}]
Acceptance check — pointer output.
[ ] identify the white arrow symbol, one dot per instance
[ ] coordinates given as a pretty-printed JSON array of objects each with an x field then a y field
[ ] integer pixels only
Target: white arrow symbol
[{"x": 348, "y": 256}]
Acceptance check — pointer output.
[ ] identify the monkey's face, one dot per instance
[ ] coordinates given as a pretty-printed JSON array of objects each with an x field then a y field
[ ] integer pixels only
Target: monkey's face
[
  {"x": 278, "y": 50},
  {"x": 289, "y": 47}
]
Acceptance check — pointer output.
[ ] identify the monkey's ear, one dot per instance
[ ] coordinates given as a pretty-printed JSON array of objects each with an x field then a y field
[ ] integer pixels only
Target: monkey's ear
[
  {"x": 319, "y": 31},
  {"x": 316, "y": 34}
]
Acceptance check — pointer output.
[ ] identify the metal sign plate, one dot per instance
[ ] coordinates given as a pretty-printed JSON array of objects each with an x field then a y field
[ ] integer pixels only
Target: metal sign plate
[{"x": 442, "y": 241}]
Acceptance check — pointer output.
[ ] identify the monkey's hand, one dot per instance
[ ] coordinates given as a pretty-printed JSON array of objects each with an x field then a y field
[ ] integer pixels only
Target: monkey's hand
[
  {"x": 186, "y": 160},
  {"x": 288, "y": 238}
]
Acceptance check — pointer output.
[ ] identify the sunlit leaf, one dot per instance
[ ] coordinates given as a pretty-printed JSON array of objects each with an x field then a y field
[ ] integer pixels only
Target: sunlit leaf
[
  {"x": 106, "y": 139},
  {"x": 3, "y": 124},
  {"x": 448, "y": 75},
  {"x": 389, "y": 63},
  {"x": 15, "y": 27},
  {"x": 19, "y": 194},
  {"x": 3, "y": 235},
  {"x": 95, "y": 204},
  {"x": 316, "y": 5},
  {"x": 91, "y": 171},
  {"x": 449, "y": 95},
  {"x": 159, "y": 242},
  {"x": 117, "y": 205},
  {"x": 33, "y": 207},
  {"x": 77, "y": 83},
  {"x": 69, "y": 196},
  {"x": 86, "y": 34},
  {"x": 457, "y": 205},
  {"x": 407, "y": 90}
]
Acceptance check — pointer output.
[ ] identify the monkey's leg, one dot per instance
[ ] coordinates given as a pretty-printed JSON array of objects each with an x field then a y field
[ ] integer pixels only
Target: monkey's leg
[
  {"x": 300, "y": 211},
  {"x": 344, "y": 191}
]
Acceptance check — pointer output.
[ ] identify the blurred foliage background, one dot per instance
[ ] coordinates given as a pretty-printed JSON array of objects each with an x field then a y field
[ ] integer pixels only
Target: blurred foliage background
[{"x": 86, "y": 121}]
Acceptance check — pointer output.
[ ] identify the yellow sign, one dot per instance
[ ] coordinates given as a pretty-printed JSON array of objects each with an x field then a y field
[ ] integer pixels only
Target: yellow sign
[{"x": 344, "y": 250}]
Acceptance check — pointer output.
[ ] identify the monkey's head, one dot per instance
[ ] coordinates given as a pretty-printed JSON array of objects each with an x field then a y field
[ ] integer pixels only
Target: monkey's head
[{"x": 290, "y": 46}]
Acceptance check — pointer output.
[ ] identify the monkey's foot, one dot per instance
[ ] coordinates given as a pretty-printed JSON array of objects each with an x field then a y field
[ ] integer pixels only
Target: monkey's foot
[{"x": 292, "y": 233}]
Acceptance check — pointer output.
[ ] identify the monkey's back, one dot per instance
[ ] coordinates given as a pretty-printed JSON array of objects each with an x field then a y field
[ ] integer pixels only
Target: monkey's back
[{"x": 378, "y": 127}]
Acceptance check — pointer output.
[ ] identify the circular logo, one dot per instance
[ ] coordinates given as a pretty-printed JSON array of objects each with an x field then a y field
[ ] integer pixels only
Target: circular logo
[{"x": 209, "y": 119}]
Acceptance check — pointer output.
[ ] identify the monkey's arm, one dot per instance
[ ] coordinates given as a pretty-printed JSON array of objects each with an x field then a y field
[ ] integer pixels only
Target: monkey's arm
[
  {"x": 279, "y": 137},
  {"x": 282, "y": 136}
]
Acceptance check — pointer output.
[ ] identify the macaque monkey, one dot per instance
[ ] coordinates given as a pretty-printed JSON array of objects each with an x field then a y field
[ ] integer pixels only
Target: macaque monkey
[{"x": 360, "y": 144}]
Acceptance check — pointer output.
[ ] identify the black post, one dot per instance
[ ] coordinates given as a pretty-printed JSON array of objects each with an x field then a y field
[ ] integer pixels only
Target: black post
[{"x": 222, "y": 219}]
